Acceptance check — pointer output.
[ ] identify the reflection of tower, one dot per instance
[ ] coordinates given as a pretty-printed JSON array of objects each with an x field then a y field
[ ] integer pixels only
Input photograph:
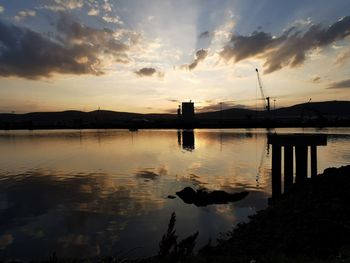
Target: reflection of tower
[
  {"x": 188, "y": 111},
  {"x": 188, "y": 140}
]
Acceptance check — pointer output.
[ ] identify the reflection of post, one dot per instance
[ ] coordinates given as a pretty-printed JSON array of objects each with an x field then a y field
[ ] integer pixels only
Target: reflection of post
[
  {"x": 313, "y": 161},
  {"x": 179, "y": 137},
  {"x": 276, "y": 170},
  {"x": 188, "y": 140},
  {"x": 301, "y": 163},
  {"x": 288, "y": 167},
  {"x": 221, "y": 134}
]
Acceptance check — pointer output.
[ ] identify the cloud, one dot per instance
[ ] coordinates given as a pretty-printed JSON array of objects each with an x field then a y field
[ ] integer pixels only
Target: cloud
[
  {"x": 204, "y": 34},
  {"x": 149, "y": 72},
  {"x": 289, "y": 49},
  {"x": 173, "y": 100},
  {"x": 2, "y": 9},
  {"x": 316, "y": 79},
  {"x": 107, "y": 6},
  {"x": 76, "y": 49},
  {"x": 242, "y": 47},
  {"x": 146, "y": 72},
  {"x": 342, "y": 58},
  {"x": 70, "y": 4},
  {"x": 200, "y": 56},
  {"x": 24, "y": 14},
  {"x": 53, "y": 8},
  {"x": 62, "y": 5},
  {"x": 112, "y": 19},
  {"x": 343, "y": 84},
  {"x": 94, "y": 12}
]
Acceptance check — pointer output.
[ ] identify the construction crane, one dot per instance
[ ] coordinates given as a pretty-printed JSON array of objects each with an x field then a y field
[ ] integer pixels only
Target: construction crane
[{"x": 265, "y": 99}]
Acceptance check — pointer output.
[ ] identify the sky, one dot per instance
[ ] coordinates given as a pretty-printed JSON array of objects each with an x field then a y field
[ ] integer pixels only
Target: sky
[{"x": 150, "y": 55}]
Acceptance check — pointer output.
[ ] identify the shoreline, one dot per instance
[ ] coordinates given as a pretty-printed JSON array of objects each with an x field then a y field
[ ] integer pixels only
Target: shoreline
[
  {"x": 311, "y": 223},
  {"x": 179, "y": 127}
]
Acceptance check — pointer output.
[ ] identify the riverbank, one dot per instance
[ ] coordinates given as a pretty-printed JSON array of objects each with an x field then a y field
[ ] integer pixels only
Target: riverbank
[{"x": 309, "y": 224}]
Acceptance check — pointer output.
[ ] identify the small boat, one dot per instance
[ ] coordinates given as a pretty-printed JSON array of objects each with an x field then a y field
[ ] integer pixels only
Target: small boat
[{"x": 133, "y": 129}]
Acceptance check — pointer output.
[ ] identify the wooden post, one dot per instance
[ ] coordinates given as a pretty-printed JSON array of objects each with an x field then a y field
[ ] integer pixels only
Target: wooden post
[
  {"x": 301, "y": 163},
  {"x": 288, "y": 167},
  {"x": 276, "y": 170},
  {"x": 301, "y": 143},
  {"x": 313, "y": 160}
]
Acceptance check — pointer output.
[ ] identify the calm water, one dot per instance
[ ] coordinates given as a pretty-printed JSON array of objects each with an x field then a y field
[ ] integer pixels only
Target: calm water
[{"x": 104, "y": 192}]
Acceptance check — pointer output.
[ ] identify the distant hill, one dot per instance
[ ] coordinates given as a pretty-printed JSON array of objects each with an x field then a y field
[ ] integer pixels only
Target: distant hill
[
  {"x": 79, "y": 115},
  {"x": 317, "y": 109},
  {"x": 329, "y": 110},
  {"x": 235, "y": 113}
]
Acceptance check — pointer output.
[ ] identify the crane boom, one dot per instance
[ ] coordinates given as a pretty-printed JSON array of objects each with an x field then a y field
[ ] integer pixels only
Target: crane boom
[{"x": 265, "y": 99}]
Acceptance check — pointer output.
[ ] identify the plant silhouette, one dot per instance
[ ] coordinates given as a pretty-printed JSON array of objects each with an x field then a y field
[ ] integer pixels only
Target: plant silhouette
[{"x": 173, "y": 250}]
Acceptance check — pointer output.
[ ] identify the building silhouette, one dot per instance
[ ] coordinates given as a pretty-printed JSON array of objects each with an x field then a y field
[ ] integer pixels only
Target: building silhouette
[{"x": 188, "y": 111}]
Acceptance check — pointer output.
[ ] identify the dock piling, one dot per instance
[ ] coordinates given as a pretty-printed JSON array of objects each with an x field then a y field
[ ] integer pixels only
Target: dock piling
[{"x": 300, "y": 142}]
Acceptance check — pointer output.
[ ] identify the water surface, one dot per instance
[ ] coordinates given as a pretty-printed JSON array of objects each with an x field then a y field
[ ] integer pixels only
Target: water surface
[{"x": 105, "y": 192}]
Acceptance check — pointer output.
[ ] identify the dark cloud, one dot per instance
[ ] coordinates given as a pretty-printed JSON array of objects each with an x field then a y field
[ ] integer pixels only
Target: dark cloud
[
  {"x": 290, "y": 49},
  {"x": 242, "y": 47},
  {"x": 204, "y": 34},
  {"x": 75, "y": 49},
  {"x": 173, "y": 100},
  {"x": 344, "y": 84},
  {"x": 149, "y": 72},
  {"x": 146, "y": 72},
  {"x": 200, "y": 56},
  {"x": 316, "y": 79}
]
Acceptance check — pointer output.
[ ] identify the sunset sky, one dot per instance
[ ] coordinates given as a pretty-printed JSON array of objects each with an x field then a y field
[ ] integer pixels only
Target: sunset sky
[{"x": 149, "y": 55}]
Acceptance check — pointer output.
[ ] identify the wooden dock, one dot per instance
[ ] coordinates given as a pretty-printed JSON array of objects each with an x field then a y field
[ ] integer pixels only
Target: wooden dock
[{"x": 299, "y": 142}]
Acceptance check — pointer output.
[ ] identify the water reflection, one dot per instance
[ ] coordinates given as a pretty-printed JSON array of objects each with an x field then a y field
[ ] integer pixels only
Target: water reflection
[
  {"x": 76, "y": 215},
  {"x": 151, "y": 173},
  {"x": 101, "y": 192},
  {"x": 188, "y": 140}
]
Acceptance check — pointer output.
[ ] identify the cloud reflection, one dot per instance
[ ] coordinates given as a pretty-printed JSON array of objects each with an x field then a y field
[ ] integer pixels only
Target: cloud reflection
[{"x": 72, "y": 214}]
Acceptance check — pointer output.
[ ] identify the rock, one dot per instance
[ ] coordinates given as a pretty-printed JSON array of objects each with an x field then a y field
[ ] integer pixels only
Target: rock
[
  {"x": 187, "y": 195},
  {"x": 204, "y": 198}
]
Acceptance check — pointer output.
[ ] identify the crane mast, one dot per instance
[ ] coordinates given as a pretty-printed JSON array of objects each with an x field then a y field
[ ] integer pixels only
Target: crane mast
[{"x": 265, "y": 99}]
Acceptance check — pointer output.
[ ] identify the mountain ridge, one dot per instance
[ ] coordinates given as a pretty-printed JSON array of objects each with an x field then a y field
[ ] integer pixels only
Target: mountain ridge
[{"x": 323, "y": 113}]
